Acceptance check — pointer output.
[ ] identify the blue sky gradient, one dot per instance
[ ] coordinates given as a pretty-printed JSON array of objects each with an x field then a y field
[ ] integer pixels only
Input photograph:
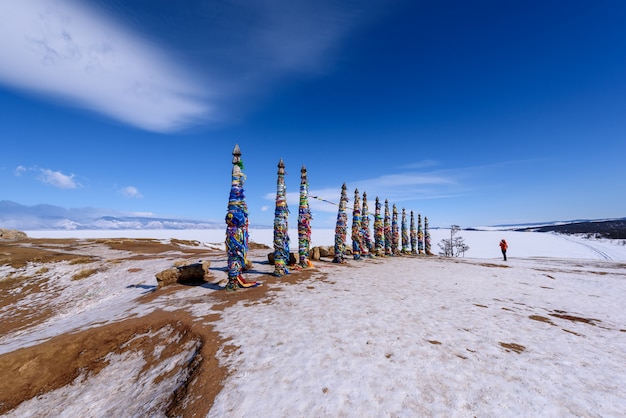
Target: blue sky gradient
[{"x": 470, "y": 113}]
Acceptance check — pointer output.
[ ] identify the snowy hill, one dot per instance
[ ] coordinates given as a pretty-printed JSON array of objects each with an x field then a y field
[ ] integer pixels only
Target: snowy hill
[
  {"x": 49, "y": 217},
  {"x": 543, "y": 334}
]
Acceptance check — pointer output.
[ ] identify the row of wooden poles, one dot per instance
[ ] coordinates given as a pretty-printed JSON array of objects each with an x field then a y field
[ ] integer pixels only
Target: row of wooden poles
[{"x": 391, "y": 238}]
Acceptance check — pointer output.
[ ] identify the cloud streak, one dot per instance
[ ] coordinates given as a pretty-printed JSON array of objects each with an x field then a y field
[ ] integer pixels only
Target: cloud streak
[
  {"x": 131, "y": 192},
  {"x": 58, "y": 179},
  {"x": 61, "y": 49},
  {"x": 225, "y": 53},
  {"x": 50, "y": 177}
]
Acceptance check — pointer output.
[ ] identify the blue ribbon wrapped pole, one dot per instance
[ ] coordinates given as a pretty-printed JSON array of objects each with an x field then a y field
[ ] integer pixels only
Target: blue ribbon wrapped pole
[
  {"x": 405, "y": 233},
  {"x": 341, "y": 227},
  {"x": 366, "y": 240},
  {"x": 420, "y": 235},
  {"x": 395, "y": 232},
  {"x": 237, "y": 227},
  {"x": 387, "y": 227},
  {"x": 379, "y": 231},
  {"x": 427, "y": 237},
  {"x": 304, "y": 222},
  {"x": 413, "y": 235},
  {"x": 281, "y": 229},
  {"x": 357, "y": 245}
]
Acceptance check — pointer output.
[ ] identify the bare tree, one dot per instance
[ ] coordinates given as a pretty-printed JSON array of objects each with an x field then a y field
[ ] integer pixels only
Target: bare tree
[{"x": 454, "y": 246}]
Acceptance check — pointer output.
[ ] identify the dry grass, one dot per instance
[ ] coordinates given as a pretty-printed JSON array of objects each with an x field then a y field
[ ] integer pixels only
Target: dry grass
[
  {"x": 42, "y": 270},
  {"x": 190, "y": 243},
  {"x": 84, "y": 273},
  {"x": 82, "y": 260}
]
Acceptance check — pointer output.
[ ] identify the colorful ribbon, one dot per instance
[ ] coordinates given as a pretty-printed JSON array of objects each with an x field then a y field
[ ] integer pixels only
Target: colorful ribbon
[
  {"x": 304, "y": 222},
  {"x": 237, "y": 227},
  {"x": 427, "y": 237},
  {"x": 281, "y": 230},
  {"x": 405, "y": 233},
  {"x": 395, "y": 232},
  {"x": 340, "y": 228},
  {"x": 366, "y": 241},
  {"x": 379, "y": 231},
  {"x": 357, "y": 245},
  {"x": 420, "y": 235},
  {"x": 387, "y": 227},
  {"x": 413, "y": 235}
]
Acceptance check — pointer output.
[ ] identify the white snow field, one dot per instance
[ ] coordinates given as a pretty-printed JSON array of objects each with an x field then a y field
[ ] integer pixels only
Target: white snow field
[{"x": 543, "y": 334}]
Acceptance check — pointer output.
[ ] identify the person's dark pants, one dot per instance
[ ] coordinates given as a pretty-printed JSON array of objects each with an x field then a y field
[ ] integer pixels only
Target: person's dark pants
[{"x": 504, "y": 254}]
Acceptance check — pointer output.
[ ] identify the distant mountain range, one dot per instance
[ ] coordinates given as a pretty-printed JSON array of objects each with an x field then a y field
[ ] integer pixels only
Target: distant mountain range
[
  {"x": 49, "y": 217},
  {"x": 45, "y": 217},
  {"x": 611, "y": 228},
  {"x": 606, "y": 228}
]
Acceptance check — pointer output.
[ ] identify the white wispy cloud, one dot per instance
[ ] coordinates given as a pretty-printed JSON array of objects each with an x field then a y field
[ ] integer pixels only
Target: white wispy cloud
[
  {"x": 19, "y": 170},
  {"x": 63, "y": 49},
  {"x": 58, "y": 179},
  {"x": 68, "y": 50},
  {"x": 131, "y": 192}
]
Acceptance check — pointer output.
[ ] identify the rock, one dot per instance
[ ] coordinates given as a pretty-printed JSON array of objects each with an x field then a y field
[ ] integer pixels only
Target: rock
[
  {"x": 11, "y": 234},
  {"x": 327, "y": 251},
  {"x": 189, "y": 274},
  {"x": 315, "y": 253},
  {"x": 248, "y": 265},
  {"x": 292, "y": 259}
]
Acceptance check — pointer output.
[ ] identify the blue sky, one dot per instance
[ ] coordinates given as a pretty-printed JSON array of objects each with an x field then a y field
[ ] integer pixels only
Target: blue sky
[{"x": 468, "y": 112}]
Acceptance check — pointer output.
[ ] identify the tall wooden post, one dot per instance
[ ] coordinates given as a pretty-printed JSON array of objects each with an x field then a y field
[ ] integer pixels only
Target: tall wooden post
[
  {"x": 237, "y": 227},
  {"x": 304, "y": 222},
  {"x": 281, "y": 228},
  {"x": 341, "y": 227}
]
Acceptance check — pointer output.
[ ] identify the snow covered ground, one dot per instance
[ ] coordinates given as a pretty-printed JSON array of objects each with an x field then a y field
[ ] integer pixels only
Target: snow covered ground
[
  {"x": 483, "y": 244},
  {"x": 543, "y": 334}
]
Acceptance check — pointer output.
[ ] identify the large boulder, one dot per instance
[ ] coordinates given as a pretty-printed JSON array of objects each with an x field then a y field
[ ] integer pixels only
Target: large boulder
[
  {"x": 315, "y": 253},
  {"x": 188, "y": 274},
  {"x": 292, "y": 259},
  {"x": 12, "y": 234},
  {"x": 327, "y": 251}
]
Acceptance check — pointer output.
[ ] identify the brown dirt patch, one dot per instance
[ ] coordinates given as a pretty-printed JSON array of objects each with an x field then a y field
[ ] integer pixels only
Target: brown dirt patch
[
  {"x": 572, "y": 318},
  {"x": 494, "y": 265},
  {"x": 257, "y": 246},
  {"x": 508, "y": 347},
  {"x": 59, "y": 361},
  {"x": 17, "y": 254},
  {"x": 541, "y": 319}
]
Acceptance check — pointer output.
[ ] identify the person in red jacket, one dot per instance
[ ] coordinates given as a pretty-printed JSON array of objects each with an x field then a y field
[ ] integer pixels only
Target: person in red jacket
[{"x": 503, "y": 247}]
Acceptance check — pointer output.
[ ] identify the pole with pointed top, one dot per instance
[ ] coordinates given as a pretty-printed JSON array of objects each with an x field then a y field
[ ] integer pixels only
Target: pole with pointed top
[
  {"x": 281, "y": 234},
  {"x": 379, "y": 231},
  {"x": 237, "y": 227},
  {"x": 357, "y": 245},
  {"x": 405, "y": 233},
  {"x": 340, "y": 228},
  {"x": 413, "y": 235},
  {"x": 395, "y": 232},
  {"x": 387, "y": 228},
  {"x": 420, "y": 235},
  {"x": 304, "y": 222},
  {"x": 366, "y": 240},
  {"x": 427, "y": 237}
]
